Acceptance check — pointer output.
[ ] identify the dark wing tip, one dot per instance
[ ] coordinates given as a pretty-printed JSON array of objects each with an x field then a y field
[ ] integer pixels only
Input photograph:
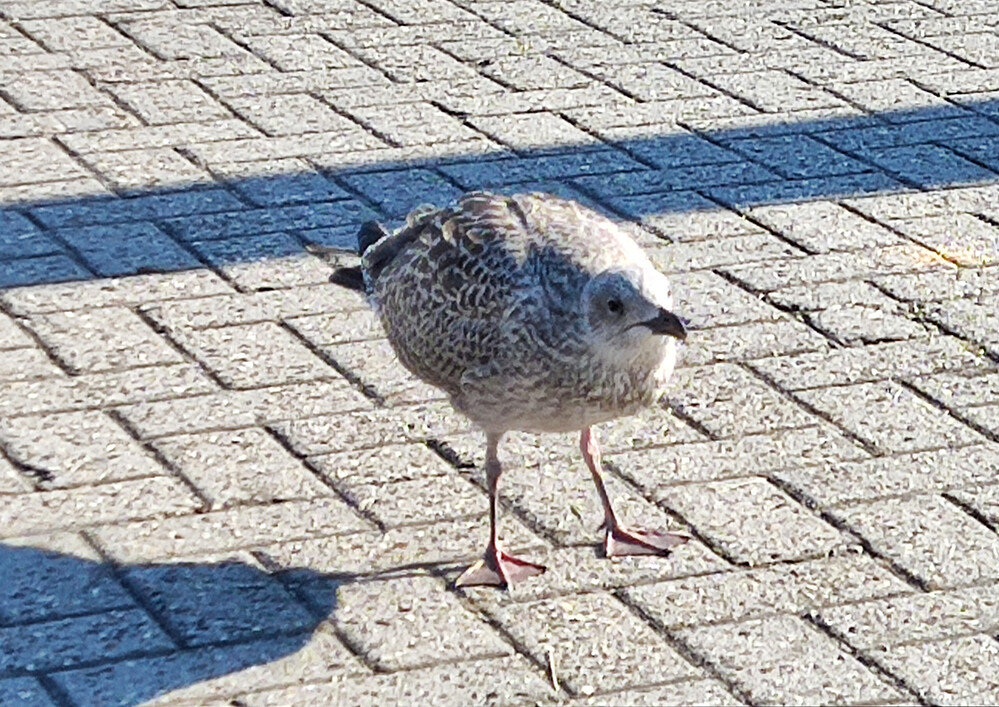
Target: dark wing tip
[
  {"x": 370, "y": 233},
  {"x": 351, "y": 278}
]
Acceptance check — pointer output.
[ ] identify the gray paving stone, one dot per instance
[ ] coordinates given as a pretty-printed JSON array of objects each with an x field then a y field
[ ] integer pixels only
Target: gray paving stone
[
  {"x": 46, "y": 268},
  {"x": 24, "y": 691},
  {"x": 754, "y": 523},
  {"x": 271, "y": 220},
  {"x": 365, "y": 428},
  {"x": 797, "y": 156},
  {"x": 893, "y": 476},
  {"x": 502, "y": 173},
  {"x": 230, "y": 600},
  {"x": 755, "y": 409},
  {"x": 774, "y": 91},
  {"x": 577, "y": 570},
  {"x": 539, "y": 133},
  {"x": 660, "y": 117},
  {"x": 237, "y": 409},
  {"x": 48, "y": 90},
  {"x": 26, "y": 364},
  {"x": 164, "y": 102},
  {"x": 177, "y": 40},
  {"x": 104, "y": 389},
  {"x": 837, "y": 266},
  {"x": 783, "y": 659},
  {"x": 969, "y": 318},
  {"x": 278, "y": 182},
  {"x": 928, "y": 166},
  {"x": 949, "y": 129},
  {"x": 934, "y": 540},
  {"x": 21, "y": 238},
  {"x": 55, "y": 576},
  {"x": 415, "y": 501},
  {"x": 249, "y": 308},
  {"x": 11, "y": 480},
  {"x": 707, "y": 299},
  {"x": 338, "y": 328},
  {"x": 890, "y": 417},
  {"x": 960, "y": 391},
  {"x": 269, "y": 261},
  {"x": 386, "y": 464},
  {"x": 594, "y": 642},
  {"x": 227, "y": 530},
  {"x": 411, "y": 622},
  {"x": 69, "y": 34},
  {"x": 302, "y": 52},
  {"x": 891, "y": 360},
  {"x": 984, "y": 500},
  {"x": 782, "y": 589},
  {"x": 897, "y": 99},
  {"x": 685, "y": 692},
  {"x": 916, "y": 617},
  {"x": 395, "y": 191},
  {"x": 708, "y": 254},
  {"x": 833, "y": 296},
  {"x": 93, "y": 211},
  {"x": 127, "y": 249},
  {"x": 33, "y": 160},
  {"x": 240, "y": 666},
  {"x": 96, "y": 340},
  {"x": 242, "y": 466},
  {"x": 657, "y": 474},
  {"x": 64, "y": 643},
  {"x": 857, "y": 325},
  {"x": 824, "y": 226},
  {"x": 291, "y": 114},
  {"x": 47, "y": 511},
  {"x": 498, "y": 681},
  {"x": 74, "y": 448},
  {"x": 948, "y": 672},
  {"x": 448, "y": 543},
  {"x": 110, "y": 138},
  {"x": 375, "y": 364},
  {"x": 133, "y": 171},
  {"x": 753, "y": 341},
  {"x": 254, "y": 355}
]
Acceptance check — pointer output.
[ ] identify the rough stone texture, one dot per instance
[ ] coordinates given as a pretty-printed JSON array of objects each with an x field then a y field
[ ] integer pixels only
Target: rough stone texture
[
  {"x": 785, "y": 656},
  {"x": 594, "y": 642},
  {"x": 218, "y": 487}
]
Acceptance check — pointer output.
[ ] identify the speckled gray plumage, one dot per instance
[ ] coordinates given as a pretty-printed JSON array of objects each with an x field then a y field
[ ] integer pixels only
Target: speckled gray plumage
[{"x": 483, "y": 300}]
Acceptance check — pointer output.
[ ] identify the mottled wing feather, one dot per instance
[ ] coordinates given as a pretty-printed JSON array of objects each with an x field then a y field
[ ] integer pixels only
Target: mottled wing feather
[
  {"x": 487, "y": 293},
  {"x": 445, "y": 296}
]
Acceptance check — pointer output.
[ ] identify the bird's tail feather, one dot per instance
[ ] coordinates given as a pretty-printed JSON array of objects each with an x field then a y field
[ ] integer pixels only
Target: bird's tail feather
[{"x": 351, "y": 278}]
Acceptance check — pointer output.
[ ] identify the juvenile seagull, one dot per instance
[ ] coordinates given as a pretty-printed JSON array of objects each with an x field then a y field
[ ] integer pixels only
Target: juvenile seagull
[{"x": 532, "y": 313}]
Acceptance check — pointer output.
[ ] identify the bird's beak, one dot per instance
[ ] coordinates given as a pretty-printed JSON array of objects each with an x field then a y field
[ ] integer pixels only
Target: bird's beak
[{"x": 667, "y": 324}]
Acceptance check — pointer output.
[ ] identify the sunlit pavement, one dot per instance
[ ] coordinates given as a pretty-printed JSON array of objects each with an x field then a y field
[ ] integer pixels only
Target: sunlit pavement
[{"x": 216, "y": 484}]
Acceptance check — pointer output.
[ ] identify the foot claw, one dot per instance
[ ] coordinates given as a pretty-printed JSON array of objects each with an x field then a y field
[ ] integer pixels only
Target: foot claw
[
  {"x": 620, "y": 542},
  {"x": 501, "y": 570}
]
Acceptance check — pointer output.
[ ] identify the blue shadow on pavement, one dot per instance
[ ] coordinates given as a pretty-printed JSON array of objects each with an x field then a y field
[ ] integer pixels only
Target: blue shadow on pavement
[
  {"x": 259, "y": 218},
  {"x": 123, "y": 635}
]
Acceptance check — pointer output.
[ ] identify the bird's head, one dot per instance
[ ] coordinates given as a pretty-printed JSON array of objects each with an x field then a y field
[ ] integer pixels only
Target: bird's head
[{"x": 629, "y": 312}]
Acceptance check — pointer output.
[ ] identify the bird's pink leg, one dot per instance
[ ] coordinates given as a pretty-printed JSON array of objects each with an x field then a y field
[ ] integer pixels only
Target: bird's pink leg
[
  {"x": 496, "y": 568},
  {"x": 618, "y": 539}
]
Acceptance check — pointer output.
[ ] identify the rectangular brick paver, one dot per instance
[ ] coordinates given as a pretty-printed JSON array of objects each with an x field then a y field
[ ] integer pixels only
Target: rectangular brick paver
[{"x": 219, "y": 486}]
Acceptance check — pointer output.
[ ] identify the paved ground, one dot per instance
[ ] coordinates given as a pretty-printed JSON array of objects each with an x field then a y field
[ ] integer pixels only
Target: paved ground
[{"x": 216, "y": 484}]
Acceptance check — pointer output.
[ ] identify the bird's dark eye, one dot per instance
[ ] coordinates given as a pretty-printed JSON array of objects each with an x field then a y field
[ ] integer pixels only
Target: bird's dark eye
[{"x": 614, "y": 306}]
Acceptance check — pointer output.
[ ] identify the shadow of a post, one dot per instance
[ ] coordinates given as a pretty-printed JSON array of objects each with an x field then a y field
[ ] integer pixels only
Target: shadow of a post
[
  {"x": 222, "y": 223},
  {"x": 122, "y": 635}
]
